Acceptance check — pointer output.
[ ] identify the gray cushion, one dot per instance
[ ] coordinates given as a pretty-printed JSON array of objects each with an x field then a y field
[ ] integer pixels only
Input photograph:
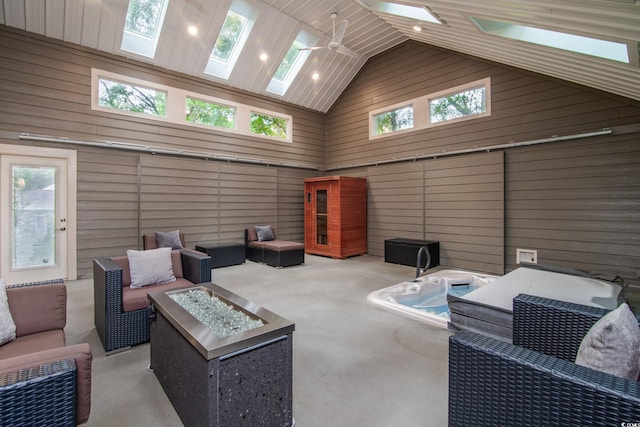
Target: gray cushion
[
  {"x": 170, "y": 239},
  {"x": 7, "y": 325},
  {"x": 265, "y": 233},
  {"x": 153, "y": 266},
  {"x": 612, "y": 345}
]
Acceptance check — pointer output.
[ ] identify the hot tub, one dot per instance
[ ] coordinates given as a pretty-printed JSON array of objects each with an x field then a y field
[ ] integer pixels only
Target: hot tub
[{"x": 425, "y": 298}]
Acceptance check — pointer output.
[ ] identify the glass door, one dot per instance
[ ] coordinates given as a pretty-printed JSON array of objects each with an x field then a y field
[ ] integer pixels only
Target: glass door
[
  {"x": 322, "y": 230},
  {"x": 33, "y": 219}
]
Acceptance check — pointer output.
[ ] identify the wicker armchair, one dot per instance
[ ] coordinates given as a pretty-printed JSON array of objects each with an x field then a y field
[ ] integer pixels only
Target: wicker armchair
[
  {"x": 43, "y": 382},
  {"x": 534, "y": 381},
  {"x": 119, "y": 329}
]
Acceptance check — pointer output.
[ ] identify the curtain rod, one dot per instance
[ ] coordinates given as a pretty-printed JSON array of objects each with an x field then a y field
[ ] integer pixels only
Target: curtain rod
[
  {"x": 487, "y": 148},
  {"x": 158, "y": 150}
]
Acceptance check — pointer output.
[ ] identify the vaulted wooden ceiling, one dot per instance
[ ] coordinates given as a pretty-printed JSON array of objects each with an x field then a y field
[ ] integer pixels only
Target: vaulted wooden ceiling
[{"x": 99, "y": 24}]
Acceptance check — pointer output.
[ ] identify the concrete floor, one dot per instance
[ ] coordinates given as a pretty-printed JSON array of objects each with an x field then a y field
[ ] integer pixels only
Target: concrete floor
[{"x": 354, "y": 365}]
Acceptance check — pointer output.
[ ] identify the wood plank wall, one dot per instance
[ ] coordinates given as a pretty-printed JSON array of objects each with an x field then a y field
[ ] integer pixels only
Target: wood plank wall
[
  {"x": 576, "y": 202},
  {"x": 458, "y": 201},
  {"x": 45, "y": 89}
]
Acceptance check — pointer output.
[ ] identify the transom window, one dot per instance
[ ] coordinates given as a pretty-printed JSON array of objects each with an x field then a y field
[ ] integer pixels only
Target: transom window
[
  {"x": 210, "y": 113},
  {"x": 119, "y": 94},
  {"x": 142, "y": 26},
  {"x": 268, "y": 125},
  {"x": 394, "y": 120},
  {"x": 132, "y": 98},
  {"x": 458, "y": 104},
  {"x": 469, "y": 101}
]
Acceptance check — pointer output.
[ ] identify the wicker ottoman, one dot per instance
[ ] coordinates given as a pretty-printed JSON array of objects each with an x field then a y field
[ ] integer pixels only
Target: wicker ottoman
[{"x": 223, "y": 254}]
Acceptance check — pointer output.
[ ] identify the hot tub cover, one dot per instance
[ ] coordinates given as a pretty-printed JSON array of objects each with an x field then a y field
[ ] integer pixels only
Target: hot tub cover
[{"x": 488, "y": 309}]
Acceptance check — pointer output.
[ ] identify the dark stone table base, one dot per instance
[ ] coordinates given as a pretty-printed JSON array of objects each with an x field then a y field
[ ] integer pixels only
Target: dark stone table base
[{"x": 251, "y": 387}]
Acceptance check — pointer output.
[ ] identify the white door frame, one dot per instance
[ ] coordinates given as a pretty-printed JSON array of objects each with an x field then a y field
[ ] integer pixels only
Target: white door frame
[{"x": 70, "y": 156}]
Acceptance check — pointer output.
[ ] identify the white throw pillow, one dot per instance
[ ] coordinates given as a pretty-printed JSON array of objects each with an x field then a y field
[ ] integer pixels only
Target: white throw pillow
[
  {"x": 150, "y": 267},
  {"x": 612, "y": 345},
  {"x": 7, "y": 326}
]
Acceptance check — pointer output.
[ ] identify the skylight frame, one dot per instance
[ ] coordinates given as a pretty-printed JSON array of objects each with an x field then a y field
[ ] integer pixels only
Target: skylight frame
[
  {"x": 223, "y": 70},
  {"x": 602, "y": 48},
  {"x": 139, "y": 43},
  {"x": 405, "y": 10},
  {"x": 304, "y": 39}
]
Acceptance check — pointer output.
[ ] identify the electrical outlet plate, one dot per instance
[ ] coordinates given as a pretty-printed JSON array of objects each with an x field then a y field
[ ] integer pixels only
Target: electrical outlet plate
[{"x": 526, "y": 255}]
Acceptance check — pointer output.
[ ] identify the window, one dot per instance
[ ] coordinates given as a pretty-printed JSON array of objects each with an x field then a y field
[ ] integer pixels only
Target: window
[
  {"x": 292, "y": 63},
  {"x": 458, "y": 104},
  {"x": 465, "y": 102},
  {"x": 142, "y": 26},
  {"x": 414, "y": 12},
  {"x": 131, "y": 98},
  {"x": 393, "y": 121},
  {"x": 268, "y": 125},
  {"x": 115, "y": 93},
  {"x": 210, "y": 113},
  {"x": 585, "y": 45},
  {"x": 231, "y": 39}
]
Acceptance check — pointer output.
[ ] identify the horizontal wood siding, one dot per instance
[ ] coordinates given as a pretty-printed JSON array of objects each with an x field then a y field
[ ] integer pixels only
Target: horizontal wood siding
[
  {"x": 108, "y": 205},
  {"x": 464, "y": 210},
  {"x": 291, "y": 204},
  {"x": 395, "y": 204},
  {"x": 456, "y": 201},
  {"x": 180, "y": 194},
  {"x": 248, "y": 197},
  {"x": 578, "y": 204}
]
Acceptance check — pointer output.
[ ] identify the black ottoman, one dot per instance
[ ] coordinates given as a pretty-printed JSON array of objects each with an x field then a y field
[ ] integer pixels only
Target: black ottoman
[{"x": 223, "y": 254}]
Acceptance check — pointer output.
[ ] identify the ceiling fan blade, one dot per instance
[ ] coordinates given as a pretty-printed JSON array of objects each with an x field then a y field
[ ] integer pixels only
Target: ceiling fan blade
[
  {"x": 339, "y": 34},
  {"x": 312, "y": 48},
  {"x": 346, "y": 51}
]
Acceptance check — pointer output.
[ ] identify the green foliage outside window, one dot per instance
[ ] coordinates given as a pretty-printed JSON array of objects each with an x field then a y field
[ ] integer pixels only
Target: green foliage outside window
[
  {"x": 142, "y": 16},
  {"x": 288, "y": 61},
  {"x": 228, "y": 37},
  {"x": 392, "y": 121},
  {"x": 263, "y": 124},
  {"x": 210, "y": 113},
  {"x": 467, "y": 103},
  {"x": 127, "y": 97}
]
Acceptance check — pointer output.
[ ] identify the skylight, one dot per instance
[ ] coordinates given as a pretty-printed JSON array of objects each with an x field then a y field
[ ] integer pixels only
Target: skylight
[
  {"x": 292, "y": 63},
  {"x": 415, "y": 12},
  {"x": 142, "y": 26},
  {"x": 231, "y": 39},
  {"x": 580, "y": 44}
]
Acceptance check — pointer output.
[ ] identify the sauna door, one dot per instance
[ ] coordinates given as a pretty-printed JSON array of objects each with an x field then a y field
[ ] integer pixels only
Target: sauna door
[{"x": 317, "y": 236}]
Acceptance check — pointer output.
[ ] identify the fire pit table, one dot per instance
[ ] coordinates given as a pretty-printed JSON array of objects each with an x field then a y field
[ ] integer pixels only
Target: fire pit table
[{"x": 221, "y": 359}]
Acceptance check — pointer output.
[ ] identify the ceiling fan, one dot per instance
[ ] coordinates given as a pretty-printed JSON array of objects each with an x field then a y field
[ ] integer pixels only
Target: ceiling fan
[{"x": 336, "y": 40}]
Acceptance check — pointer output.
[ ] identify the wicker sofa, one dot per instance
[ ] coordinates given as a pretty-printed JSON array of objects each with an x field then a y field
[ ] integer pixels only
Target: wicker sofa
[
  {"x": 534, "y": 381},
  {"x": 122, "y": 314},
  {"x": 276, "y": 253},
  {"x": 43, "y": 381}
]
